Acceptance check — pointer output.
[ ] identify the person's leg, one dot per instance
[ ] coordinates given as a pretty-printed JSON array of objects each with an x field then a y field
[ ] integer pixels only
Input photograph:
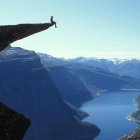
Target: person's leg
[{"x": 53, "y": 22}]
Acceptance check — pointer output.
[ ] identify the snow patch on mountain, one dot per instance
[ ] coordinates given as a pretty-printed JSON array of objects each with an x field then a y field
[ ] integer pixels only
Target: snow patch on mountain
[{"x": 123, "y": 67}]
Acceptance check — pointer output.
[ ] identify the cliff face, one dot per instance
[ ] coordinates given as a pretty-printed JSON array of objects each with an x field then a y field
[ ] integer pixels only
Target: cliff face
[
  {"x": 135, "y": 135},
  {"x": 100, "y": 78},
  {"x": 26, "y": 87},
  {"x": 69, "y": 85},
  {"x": 12, "y": 124},
  {"x": 136, "y": 115}
]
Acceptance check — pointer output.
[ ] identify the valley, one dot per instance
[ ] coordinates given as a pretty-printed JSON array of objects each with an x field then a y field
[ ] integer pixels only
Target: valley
[{"x": 42, "y": 87}]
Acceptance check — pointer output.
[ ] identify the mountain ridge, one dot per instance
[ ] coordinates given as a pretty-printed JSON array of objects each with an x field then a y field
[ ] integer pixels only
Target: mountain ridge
[
  {"x": 123, "y": 67},
  {"x": 27, "y": 88}
]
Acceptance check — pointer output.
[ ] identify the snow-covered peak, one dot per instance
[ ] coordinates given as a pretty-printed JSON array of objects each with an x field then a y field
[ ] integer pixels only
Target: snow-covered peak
[{"x": 124, "y": 67}]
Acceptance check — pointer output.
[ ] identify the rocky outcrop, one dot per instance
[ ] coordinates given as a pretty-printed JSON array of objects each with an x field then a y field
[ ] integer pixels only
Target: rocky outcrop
[
  {"x": 25, "y": 86},
  {"x": 135, "y": 135},
  {"x": 136, "y": 115},
  {"x": 12, "y": 33},
  {"x": 12, "y": 124}
]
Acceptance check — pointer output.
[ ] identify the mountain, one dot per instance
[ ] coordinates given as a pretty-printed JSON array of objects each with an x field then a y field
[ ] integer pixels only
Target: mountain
[
  {"x": 52, "y": 61},
  {"x": 134, "y": 84},
  {"x": 68, "y": 83},
  {"x": 123, "y": 67},
  {"x": 100, "y": 78},
  {"x": 94, "y": 74},
  {"x": 26, "y": 87}
]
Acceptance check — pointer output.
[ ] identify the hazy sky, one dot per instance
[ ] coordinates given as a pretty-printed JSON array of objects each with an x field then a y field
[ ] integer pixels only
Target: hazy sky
[{"x": 91, "y": 28}]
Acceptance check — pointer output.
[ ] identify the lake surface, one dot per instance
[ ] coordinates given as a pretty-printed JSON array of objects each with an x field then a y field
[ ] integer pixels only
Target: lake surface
[{"x": 109, "y": 112}]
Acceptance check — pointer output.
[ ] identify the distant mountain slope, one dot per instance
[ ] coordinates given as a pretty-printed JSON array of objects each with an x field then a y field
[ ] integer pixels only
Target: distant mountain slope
[
  {"x": 123, "y": 67},
  {"x": 69, "y": 85},
  {"x": 100, "y": 78},
  {"x": 26, "y": 87},
  {"x": 92, "y": 73}
]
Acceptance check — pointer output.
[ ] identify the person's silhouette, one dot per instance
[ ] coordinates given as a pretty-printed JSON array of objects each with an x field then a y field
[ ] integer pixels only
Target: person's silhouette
[{"x": 53, "y": 22}]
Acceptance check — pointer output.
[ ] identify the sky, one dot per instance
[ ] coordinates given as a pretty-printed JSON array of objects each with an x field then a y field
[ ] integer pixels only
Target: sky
[{"x": 88, "y": 28}]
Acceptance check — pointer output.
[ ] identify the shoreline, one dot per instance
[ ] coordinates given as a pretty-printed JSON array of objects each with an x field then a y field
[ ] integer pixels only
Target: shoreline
[
  {"x": 133, "y": 119},
  {"x": 135, "y": 116},
  {"x": 137, "y": 90}
]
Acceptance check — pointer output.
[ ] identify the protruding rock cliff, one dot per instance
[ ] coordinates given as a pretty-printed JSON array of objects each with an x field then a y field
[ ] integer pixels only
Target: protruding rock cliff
[
  {"x": 12, "y": 124},
  {"x": 12, "y": 33}
]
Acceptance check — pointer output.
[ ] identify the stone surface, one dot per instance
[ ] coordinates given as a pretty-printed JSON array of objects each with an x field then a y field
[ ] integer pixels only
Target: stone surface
[
  {"x": 135, "y": 135},
  {"x": 12, "y": 124},
  {"x": 12, "y": 33}
]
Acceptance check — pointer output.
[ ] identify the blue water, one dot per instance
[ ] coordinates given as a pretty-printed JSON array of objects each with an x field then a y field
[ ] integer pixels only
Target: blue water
[{"x": 109, "y": 112}]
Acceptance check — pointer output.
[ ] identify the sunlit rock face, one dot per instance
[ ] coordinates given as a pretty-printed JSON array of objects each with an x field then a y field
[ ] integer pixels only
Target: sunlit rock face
[{"x": 26, "y": 87}]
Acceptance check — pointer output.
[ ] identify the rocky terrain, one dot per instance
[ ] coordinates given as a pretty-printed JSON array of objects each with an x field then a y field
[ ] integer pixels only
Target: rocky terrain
[
  {"x": 12, "y": 124},
  {"x": 136, "y": 115},
  {"x": 135, "y": 135},
  {"x": 12, "y": 33},
  {"x": 26, "y": 87}
]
